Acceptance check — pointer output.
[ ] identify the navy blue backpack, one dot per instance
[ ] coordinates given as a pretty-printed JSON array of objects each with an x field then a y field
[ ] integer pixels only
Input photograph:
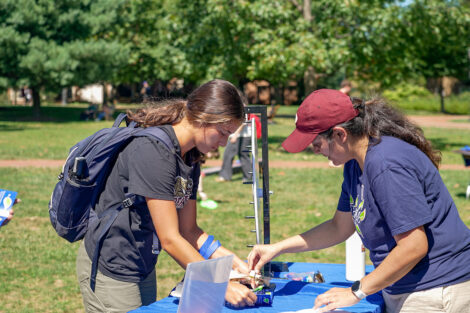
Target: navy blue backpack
[{"x": 83, "y": 176}]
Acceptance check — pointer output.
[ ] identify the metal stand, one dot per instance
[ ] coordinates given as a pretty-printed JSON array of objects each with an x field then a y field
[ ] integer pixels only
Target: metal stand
[{"x": 263, "y": 192}]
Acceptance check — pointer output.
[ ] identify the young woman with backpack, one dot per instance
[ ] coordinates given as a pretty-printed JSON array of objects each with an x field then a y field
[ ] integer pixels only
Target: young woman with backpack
[{"x": 164, "y": 180}]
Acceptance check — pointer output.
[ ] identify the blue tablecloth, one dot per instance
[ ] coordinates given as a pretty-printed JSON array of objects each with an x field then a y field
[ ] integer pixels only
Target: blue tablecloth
[{"x": 292, "y": 295}]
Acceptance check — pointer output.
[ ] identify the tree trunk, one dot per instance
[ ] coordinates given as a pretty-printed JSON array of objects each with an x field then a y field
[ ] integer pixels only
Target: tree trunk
[
  {"x": 133, "y": 92},
  {"x": 105, "y": 94},
  {"x": 441, "y": 95},
  {"x": 310, "y": 83},
  {"x": 113, "y": 94},
  {"x": 64, "y": 96},
  {"x": 277, "y": 95},
  {"x": 36, "y": 101},
  {"x": 307, "y": 10}
]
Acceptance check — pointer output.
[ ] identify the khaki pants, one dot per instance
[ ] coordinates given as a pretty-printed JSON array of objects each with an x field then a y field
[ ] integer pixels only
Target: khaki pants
[
  {"x": 112, "y": 296},
  {"x": 449, "y": 299}
]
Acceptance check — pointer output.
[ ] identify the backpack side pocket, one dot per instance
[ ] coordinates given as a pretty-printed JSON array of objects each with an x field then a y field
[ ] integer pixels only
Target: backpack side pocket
[{"x": 73, "y": 210}]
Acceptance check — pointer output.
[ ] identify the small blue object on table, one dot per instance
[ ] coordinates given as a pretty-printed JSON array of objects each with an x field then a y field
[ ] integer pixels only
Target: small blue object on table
[{"x": 292, "y": 295}]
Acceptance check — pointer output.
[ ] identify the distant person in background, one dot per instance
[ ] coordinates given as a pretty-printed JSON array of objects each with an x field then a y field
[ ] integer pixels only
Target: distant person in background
[
  {"x": 237, "y": 145},
  {"x": 146, "y": 91},
  {"x": 25, "y": 93},
  {"x": 205, "y": 201},
  {"x": 106, "y": 113},
  {"x": 211, "y": 155},
  {"x": 345, "y": 87},
  {"x": 89, "y": 114}
]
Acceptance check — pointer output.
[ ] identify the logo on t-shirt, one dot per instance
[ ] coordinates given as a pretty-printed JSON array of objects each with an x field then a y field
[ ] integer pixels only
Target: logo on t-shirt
[
  {"x": 183, "y": 190},
  {"x": 357, "y": 209}
]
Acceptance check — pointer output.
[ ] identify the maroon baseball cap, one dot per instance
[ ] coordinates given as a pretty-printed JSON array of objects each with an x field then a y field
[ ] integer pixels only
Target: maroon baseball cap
[{"x": 320, "y": 111}]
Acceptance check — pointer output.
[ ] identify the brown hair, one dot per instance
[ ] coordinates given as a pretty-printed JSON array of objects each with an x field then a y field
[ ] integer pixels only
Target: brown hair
[
  {"x": 215, "y": 102},
  {"x": 376, "y": 118},
  {"x": 345, "y": 83}
]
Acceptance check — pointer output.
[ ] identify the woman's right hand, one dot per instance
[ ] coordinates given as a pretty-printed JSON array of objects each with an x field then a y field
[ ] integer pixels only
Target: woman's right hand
[
  {"x": 260, "y": 255},
  {"x": 239, "y": 295}
]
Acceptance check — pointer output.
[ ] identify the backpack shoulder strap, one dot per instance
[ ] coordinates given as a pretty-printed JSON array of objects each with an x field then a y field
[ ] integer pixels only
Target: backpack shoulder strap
[
  {"x": 94, "y": 263},
  {"x": 159, "y": 134},
  {"x": 121, "y": 117},
  {"x": 155, "y": 132}
]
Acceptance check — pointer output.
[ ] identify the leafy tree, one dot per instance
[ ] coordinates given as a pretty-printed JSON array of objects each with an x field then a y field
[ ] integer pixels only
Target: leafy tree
[
  {"x": 426, "y": 38},
  {"x": 305, "y": 40},
  {"x": 441, "y": 33},
  {"x": 51, "y": 44},
  {"x": 262, "y": 39},
  {"x": 380, "y": 47},
  {"x": 145, "y": 28},
  {"x": 214, "y": 37}
]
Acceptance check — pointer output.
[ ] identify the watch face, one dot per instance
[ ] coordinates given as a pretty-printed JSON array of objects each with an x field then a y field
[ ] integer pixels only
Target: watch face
[{"x": 355, "y": 286}]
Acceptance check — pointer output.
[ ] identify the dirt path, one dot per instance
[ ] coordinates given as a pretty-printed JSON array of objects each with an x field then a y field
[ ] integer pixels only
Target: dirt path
[
  {"x": 209, "y": 163},
  {"x": 441, "y": 121}
]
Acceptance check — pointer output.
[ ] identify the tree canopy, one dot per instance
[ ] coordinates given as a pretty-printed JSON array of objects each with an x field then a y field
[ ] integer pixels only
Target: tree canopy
[{"x": 52, "y": 44}]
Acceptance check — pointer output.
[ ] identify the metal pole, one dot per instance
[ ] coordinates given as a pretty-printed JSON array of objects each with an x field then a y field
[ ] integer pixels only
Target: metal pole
[{"x": 262, "y": 110}]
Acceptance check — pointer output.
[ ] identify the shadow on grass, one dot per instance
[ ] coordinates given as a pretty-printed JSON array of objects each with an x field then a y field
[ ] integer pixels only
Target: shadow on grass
[
  {"x": 447, "y": 145},
  {"x": 461, "y": 195},
  {"x": 290, "y": 116},
  {"x": 47, "y": 114},
  {"x": 10, "y": 128},
  {"x": 276, "y": 140}
]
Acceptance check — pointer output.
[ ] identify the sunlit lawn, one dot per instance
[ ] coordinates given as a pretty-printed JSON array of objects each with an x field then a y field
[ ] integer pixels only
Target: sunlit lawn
[
  {"x": 38, "y": 267},
  {"x": 59, "y": 128}
]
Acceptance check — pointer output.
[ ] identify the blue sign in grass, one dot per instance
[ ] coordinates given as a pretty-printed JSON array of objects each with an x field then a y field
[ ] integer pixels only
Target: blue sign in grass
[{"x": 7, "y": 198}]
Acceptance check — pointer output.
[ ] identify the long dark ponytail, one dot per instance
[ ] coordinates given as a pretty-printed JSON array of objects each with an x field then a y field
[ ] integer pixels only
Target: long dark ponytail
[{"x": 376, "y": 118}]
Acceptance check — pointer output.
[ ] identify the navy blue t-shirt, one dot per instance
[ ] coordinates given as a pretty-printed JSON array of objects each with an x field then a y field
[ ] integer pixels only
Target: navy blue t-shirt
[{"x": 399, "y": 190}]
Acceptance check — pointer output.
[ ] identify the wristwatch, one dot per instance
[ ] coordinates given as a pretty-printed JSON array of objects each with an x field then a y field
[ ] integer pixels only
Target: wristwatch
[{"x": 356, "y": 289}]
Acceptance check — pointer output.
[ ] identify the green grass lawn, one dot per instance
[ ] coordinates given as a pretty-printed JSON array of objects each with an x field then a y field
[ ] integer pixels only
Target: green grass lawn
[
  {"x": 59, "y": 128},
  {"x": 38, "y": 267}
]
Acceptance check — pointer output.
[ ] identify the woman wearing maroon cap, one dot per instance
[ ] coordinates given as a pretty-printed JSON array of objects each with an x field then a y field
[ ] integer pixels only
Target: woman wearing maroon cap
[{"x": 393, "y": 196}]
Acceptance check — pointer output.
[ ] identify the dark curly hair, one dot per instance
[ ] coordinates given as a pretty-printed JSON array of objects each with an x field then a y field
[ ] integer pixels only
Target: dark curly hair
[{"x": 376, "y": 118}]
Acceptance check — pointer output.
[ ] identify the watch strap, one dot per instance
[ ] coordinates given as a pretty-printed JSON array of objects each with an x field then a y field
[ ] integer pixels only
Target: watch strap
[
  {"x": 359, "y": 294},
  {"x": 356, "y": 289}
]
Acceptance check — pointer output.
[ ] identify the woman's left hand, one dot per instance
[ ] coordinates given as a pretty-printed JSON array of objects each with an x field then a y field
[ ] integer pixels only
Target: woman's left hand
[
  {"x": 335, "y": 298},
  {"x": 239, "y": 295}
]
